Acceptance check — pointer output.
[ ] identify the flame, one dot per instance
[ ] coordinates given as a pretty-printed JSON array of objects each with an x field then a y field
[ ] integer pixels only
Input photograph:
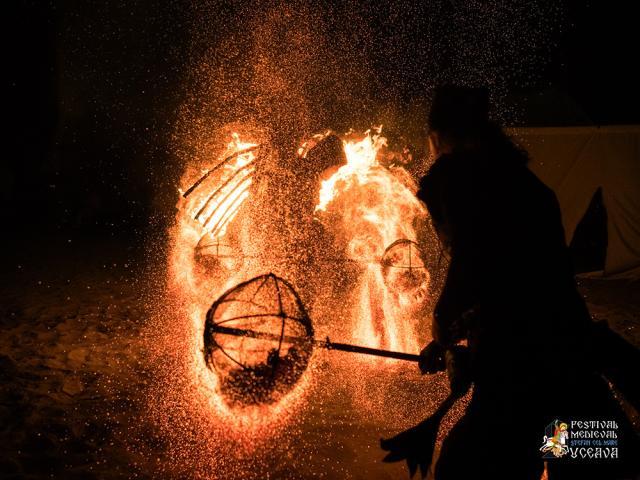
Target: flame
[
  {"x": 361, "y": 156},
  {"x": 375, "y": 206}
]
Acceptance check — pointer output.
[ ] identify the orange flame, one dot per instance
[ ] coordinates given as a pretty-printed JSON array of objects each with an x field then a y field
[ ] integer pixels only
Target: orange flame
[{"x": 377, "y": 206}]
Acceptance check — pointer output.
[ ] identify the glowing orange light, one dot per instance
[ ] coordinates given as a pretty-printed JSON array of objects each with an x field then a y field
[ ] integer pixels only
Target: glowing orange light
[
  {"x": 375, "y": 207},
  {"x": 368, "y": 205},
  {"x": 206, "y": 213}
]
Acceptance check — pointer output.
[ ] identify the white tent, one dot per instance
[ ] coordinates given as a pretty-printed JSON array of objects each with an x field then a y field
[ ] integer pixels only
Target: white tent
[{"x": 575, "y": 162}]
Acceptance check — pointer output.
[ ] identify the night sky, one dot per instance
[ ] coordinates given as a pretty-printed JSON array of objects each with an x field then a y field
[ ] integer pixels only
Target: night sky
[{"x": 102, "y": 95}]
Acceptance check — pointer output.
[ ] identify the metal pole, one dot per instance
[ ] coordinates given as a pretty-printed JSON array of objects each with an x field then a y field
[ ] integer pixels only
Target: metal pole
[{"x": 326, "y": 344}]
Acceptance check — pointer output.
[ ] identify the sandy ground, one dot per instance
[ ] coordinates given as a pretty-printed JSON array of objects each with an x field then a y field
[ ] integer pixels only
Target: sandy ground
[{"x": 74, "y": 371}]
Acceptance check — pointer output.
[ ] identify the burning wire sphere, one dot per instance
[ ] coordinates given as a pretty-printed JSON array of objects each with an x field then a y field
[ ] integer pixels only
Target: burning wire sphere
[
  {"x": 258, "y": 339},
  {"x": 213, "y": 253},
  {"x": 404, "y": 271}
]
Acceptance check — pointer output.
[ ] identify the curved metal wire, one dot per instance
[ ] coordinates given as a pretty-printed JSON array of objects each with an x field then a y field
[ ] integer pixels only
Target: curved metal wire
[
  {"x": 211, "y": 344},
  {"x": 410, "y": 244},
  {"x": 217, "y": 167},
  {"x": 248, "y": 166}
]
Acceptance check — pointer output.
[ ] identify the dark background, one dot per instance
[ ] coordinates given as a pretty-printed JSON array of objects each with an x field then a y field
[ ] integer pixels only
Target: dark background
[{"x": 94, "y": 89}]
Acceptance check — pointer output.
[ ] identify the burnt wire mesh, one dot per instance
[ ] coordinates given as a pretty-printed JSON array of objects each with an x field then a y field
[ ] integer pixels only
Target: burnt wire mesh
[
  {"x": 403, "y": 269},
  {"x": 258, "y": 339}
]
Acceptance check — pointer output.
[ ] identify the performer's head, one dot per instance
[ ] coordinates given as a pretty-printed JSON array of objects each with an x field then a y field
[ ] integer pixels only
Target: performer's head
[{"x": 459, "y": 116}]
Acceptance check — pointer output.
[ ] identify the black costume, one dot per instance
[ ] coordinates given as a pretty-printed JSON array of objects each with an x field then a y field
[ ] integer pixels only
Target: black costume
[{"x": 510, "y": 291}]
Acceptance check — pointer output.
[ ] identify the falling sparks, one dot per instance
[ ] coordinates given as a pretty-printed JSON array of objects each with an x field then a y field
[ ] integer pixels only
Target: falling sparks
[{"x": 377, "y": 209}]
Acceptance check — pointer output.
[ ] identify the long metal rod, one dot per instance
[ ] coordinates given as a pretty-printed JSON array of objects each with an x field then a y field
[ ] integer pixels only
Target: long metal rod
[
  {"x": 289, "y": 257},
  {"x": 326, "y": 344},
  {"x": 346, "y": 347}
]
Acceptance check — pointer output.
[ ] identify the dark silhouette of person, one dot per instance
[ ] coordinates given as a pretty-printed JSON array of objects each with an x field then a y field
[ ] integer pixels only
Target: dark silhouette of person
[{"x": 510, "y": 293}]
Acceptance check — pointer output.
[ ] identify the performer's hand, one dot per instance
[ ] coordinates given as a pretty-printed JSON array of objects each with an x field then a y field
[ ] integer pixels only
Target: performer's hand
[{"x": 432, "y": 358}]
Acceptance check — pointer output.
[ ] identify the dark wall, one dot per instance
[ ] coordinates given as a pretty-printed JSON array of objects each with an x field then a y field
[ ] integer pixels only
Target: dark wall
[
  {"x": 92, "y": 95},
  {"x": 600, "y": 55}
]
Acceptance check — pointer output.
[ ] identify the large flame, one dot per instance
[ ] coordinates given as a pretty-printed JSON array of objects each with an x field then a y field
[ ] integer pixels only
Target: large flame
[
  {"x": 361, "y": 157},
  {"x": 375, "y": 206}
]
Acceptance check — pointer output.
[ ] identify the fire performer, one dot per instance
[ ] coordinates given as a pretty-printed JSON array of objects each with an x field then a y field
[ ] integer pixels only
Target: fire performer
[{"x": 510, "y": 294}]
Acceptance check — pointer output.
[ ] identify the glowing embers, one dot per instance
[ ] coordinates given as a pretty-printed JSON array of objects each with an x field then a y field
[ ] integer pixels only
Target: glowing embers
[
  {"x": 219, "y": 193},
  {"x": 258, "y": 338}
]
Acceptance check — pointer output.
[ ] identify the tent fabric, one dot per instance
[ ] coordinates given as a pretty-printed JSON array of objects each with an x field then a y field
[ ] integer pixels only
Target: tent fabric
[{"x": 575, "y": 162}]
